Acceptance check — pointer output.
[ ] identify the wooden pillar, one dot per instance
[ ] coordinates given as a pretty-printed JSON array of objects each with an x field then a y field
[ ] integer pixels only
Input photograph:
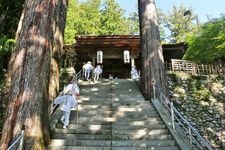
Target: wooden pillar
[
  {"x": 94, "y": 58},
  {"x": 151, "y": 50},
  {"x": 132, "y": 58},
  {"x": 132, "y": 61}
]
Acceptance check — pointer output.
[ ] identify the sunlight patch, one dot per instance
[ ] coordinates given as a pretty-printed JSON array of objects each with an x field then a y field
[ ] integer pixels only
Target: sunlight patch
[
  {"x": 121, "y": 108},
  {"x": 116, "y": 99},
  {"x": 137, "y": 123},
  {"x": 140, "y": 133},
  {"x": 84, "y": 98},
  {"x": 94, "y": 89},
  {"x": 111, "y": 119},
  {"x": 58, "y": 142},
  {"x": 95, "y": 127}
]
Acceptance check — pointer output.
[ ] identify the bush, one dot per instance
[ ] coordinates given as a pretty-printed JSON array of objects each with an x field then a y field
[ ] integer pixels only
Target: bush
[{"x": 6, "y": 47}]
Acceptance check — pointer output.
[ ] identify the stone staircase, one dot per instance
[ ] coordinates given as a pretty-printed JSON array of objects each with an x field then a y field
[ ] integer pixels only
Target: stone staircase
[{"x": 113, "y": 115}]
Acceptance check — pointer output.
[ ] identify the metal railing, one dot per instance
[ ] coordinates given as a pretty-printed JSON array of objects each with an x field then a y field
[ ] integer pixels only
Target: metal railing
[
  {"x": 78, "y": 75},
  {"x": 180, "y": 124},
  {"x": 19, "y": 141}
]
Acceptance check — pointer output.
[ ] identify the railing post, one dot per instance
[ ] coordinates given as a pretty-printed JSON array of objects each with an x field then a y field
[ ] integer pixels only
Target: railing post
[
  {"x": 153, "y": 83},
  {"x": 77, "y": 112},
  {"x": 172, "y": 114},
  {"x": 22, "y": 139},
  {"x": 190, "y": 136}
]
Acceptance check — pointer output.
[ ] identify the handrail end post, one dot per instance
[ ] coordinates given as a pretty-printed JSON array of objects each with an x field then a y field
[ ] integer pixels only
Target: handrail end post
[{"x": 153, "y": 85}]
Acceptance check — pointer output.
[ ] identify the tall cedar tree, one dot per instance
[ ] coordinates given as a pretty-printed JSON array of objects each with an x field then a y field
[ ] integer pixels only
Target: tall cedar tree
[
  {"x": 38, "y": 37},
  {"x": 153, "y": 68},
  {"x": 113, "y": 21}
]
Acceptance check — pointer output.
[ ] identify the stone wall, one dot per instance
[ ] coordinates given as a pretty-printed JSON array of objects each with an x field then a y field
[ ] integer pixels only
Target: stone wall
[{"x": 202, "y": 102}]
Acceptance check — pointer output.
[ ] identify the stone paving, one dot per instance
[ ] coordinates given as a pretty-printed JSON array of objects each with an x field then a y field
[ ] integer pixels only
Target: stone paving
[{"x": 113, "y": 115}]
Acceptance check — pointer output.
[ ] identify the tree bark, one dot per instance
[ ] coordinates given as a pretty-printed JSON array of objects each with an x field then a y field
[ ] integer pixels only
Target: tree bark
[
  {"x": 153, "y": 68},
  {"x": 58, "y": 29},
  {"x": 29, "y": 72}
]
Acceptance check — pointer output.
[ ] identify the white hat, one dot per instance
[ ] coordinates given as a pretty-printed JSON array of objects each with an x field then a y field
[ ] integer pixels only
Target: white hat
[{"x": 89, "y": 62}]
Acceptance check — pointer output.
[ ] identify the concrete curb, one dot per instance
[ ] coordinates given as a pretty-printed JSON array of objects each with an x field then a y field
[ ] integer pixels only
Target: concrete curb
[{"x": 182, "y": 143}]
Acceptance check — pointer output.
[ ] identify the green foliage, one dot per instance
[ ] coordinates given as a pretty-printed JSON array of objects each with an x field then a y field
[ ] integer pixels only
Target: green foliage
[
  {"x": 162, "y": 31},
  {"x": 10, "y": 12},
  {"x": 208, "y": 46},
  {"x": 202, "y": 94},
  {"x": 195, "y": 87},
  {"x": 72, "y": 17},
  {"x": 133, "y": 23},
  {"x": 113, "y": 21},
  {"x": 6, "y": 46},
  {"x": 95, "y": 17},
  {"x": 179, "y": 24},
  {"x": 180, "y": 91},
  {"x": 89, "y": 14}
]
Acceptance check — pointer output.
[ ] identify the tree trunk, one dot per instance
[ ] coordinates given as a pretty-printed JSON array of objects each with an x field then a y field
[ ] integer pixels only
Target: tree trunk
[
  {"x": 29, "y": 72},
  {"x": 58, "y": 29},
  {"x": 151, "y": 50}
]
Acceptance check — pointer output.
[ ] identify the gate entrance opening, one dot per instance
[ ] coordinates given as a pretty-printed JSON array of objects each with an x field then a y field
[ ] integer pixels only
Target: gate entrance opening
[{"x": 113, "y": 47}]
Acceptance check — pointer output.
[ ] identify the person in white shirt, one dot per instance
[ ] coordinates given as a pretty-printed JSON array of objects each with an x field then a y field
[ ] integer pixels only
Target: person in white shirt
[
  {"x": 87, "y": 70},
  {"x": 134, "y": 73},
  {"x": 74, "y": 87},
  {"x": 73, "y": 90},
  {"x": 66, "y": 102},
  {"x": 97, "y": 72}
]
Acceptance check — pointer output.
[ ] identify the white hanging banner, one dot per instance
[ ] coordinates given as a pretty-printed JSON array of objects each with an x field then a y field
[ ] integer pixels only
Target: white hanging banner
[
  {"x": 99, "y": 57},
  {"x": 126, "y": 56}
]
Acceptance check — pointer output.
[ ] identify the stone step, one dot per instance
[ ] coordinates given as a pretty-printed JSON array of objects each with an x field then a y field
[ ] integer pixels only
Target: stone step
[
  {"x": 143, "y": 115},
  {"x": 109, "y": 109},
  {"x": 86, "y": 100},
  {"x": 113, "y": 143},
  {"x": 110, "y": 148},
  {"x": 127, "y": 96},
  {"x": 141, "y": 132},
  {"x": 117, "y": 106},
  {"x": 94, "y": 106},
  {"x": 110, "y": 137},
  {"x": 113, "y": 127},
  {"x": 113, "y": 120},
  {"x": 112, "y": 109},
  {"x": 81, "y": 136},
  {"x": 142, "y": 137},
  {"x": 83, "y": 131},
  {"x": 92, "y": 112},
  {"x": 136, "y": 132},
  {"x": 113, "y": 116},
  {"x": 131, "y": 124}
]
